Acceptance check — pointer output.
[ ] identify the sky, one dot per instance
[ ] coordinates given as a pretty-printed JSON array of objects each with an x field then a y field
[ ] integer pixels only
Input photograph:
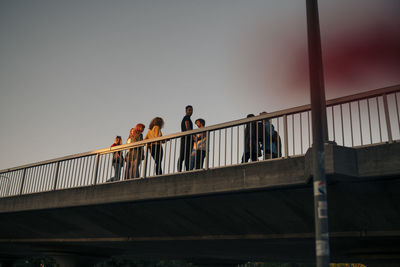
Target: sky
[{"x": 74, "y": 74}]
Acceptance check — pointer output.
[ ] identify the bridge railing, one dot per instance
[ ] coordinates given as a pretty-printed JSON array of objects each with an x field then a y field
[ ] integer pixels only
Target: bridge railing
[{"x": 363, "y": 119}]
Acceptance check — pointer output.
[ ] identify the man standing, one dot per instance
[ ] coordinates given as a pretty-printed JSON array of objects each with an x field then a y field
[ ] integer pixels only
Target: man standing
[
  {"x": 186, "y": 141},
  {"x": 251, "y": 148}
]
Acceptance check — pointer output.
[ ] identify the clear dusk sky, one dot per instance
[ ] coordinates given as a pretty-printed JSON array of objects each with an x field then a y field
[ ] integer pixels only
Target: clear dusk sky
[{"x": 73, "y": 74}]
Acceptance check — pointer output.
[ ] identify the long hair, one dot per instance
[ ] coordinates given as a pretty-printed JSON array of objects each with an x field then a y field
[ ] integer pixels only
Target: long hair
[
  {"x": 157, "y": 121},
  {"x": 138, "y": 126},
  {"x": 119, "y": 140},
  {"x": 131, "y": 133}
]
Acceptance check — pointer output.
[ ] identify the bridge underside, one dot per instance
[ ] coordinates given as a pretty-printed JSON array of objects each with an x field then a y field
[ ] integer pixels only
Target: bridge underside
[{"x": 253, "y": 212}]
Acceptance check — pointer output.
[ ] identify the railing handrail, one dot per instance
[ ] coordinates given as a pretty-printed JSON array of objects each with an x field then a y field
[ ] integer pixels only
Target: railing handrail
[
  {"x": 271, "y": 115},
  {"x": 363, "y": 95}
]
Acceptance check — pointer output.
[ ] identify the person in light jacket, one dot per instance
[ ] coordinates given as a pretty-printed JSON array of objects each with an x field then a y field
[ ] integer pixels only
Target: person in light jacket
[
  {"x": 199, "y": 147},
  {"x": 134, "y": 155},
  {"x": 156, "y": 149}
]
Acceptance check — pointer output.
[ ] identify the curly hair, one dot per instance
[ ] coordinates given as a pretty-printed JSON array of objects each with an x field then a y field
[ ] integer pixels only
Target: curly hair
[
  {"x": 157, "y": 121},
  {"x": 202, "y": 121}
]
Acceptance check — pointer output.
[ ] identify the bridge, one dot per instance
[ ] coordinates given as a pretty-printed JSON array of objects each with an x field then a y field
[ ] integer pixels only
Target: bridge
[{"x": 226, "y": 212}]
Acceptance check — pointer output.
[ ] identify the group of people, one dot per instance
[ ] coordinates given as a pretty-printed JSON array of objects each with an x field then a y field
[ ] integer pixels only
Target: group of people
[
  {"x": 192, "y": 151},
  {"x": 259, "y": 137},
  {"x": 134, "y": 156}
]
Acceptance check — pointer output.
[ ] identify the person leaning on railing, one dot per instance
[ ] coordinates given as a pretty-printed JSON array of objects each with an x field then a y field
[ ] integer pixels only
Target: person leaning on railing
[
  {"x": 156, "y": 150},
  {"x": 118, "y": 160},
  {"x": 199, "y": 147},
  {"x": 134, "y": 155}
]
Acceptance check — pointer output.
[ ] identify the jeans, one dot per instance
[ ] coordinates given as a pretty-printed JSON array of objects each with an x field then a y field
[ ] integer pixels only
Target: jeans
[
  {"x": 117, "y": 169},
  {"x": 184, "y": 153},
  {"x": 157, "y": 154},
  {"x": 196, "y": 160}
]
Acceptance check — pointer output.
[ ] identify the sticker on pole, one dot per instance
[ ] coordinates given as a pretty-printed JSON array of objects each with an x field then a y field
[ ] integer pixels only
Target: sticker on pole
[
  {"x": 319, "y": 188},
  {"x": 322, "y": 248},
  {"x": 322, "y": 210}
]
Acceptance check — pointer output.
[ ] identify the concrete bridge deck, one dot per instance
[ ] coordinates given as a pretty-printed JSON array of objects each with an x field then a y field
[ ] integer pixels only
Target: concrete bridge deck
[{"x": 259, "y": 211}]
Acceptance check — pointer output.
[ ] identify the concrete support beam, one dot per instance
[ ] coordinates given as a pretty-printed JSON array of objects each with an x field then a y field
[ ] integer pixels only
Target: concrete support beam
[
  {"x": 379, "y": 160},
  {"x": 340, "y": 162}
]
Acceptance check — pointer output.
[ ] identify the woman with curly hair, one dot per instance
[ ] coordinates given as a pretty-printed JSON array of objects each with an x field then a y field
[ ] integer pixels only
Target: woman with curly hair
[{"x": 156, "y": 150}]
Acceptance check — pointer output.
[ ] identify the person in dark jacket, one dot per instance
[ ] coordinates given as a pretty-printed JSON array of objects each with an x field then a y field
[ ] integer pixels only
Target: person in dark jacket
[
  {"x": 268, "y": 138},
  {"x": 250, "y": 141},
  {"x": 117, "y": 160},
  {"x": 186, "y": 141}
]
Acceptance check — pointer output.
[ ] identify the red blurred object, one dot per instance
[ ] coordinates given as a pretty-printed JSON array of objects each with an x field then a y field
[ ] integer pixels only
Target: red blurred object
[{"x": 356, "y": 57}]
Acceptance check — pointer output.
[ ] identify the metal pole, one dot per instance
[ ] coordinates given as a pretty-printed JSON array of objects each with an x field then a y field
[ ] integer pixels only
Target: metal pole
[
  {"x": 319, "y": 121},
  {"x": 96, "y": 170},
  {"x": 56, "y": 175},
  {"x": 285, "y": 136},
  {"x": 207, "y": 150},
  {"x": 144, "y": 165},
  {"x": 387, "y": 117}
]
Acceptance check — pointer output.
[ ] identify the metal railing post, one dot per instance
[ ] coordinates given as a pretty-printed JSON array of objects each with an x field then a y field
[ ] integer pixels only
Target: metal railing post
[
  {"x": 207, "y": 149},
  {"x": 8, "y": 187},
  {"x": 387, "y": 117},
  {"x": 56, "y": 176},
  {"x": 23, "y": 182},
  {"x": 144, "y": 168},
  {"x": 285, "y": 136},
  {"x": 96, "y": 169},
  {"x": 8, "y": 184}
]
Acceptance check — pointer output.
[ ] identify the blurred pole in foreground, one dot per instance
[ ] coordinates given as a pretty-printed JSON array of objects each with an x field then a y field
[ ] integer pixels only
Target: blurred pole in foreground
[{"x": 320, "y": 135}]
